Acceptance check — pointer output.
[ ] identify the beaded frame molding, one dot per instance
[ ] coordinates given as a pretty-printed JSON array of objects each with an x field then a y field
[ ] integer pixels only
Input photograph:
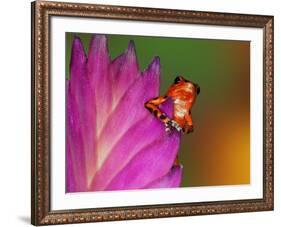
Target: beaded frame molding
[{"x": 42, "y": 11}]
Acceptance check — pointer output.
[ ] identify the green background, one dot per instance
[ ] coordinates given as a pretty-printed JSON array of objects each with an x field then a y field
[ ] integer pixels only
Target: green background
[{"x": 217, "y": 152}]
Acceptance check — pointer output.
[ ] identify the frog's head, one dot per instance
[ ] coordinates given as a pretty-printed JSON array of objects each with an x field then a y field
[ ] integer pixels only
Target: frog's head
[{"x": 187, "y": 85}]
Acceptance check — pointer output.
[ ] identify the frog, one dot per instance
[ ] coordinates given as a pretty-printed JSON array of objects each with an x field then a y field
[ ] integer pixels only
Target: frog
[{"x": 183, "y": 94}]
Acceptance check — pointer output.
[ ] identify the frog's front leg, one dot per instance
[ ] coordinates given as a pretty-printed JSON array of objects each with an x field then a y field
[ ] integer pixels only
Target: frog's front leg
[{"x": 152, "y": 106}]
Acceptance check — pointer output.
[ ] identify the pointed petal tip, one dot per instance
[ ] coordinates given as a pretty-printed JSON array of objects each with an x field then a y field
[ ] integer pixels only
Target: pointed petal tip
[
  {"x": 154, "y": 65},
  {"x": 98, "y": 51},
  {"x": 78, "y": 55},
  {"x": 131, "y": 47},
  {"x": 76, "y": 37},
  {"x": 99, "y": 39},
  {"x": 76, "y": 42},
  {"x": 131, "y": 56},
  {"x": 77, "y": 45},
  {"x": 156, "y": 60}
]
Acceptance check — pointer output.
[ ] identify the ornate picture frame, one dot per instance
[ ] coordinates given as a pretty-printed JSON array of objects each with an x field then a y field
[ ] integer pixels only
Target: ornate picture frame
[{"x": 42, "y": 14}]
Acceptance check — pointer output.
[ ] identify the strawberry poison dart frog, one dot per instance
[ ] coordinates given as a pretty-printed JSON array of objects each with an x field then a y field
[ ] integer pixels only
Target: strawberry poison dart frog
[{"x": 183, "y": 94}]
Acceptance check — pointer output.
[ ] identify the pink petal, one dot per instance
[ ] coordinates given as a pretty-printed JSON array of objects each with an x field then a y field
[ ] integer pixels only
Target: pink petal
[
  {"x": 70, "y": 171},
  {"x": 171, "y": 180},
  {"x": 129, "y": 110},
  {"x": 113, "y": 142},
  {"x": 75, "y": 146},
  {"x": 124, "y": 72},
  {"x": 140, "y": 135},
  {"x": 98, "y": 72},
  {"x": 78, "y": 63},
  {"x": 120, "y": 155},
  {"x": 149, "y": 164},
  {"x": 83, "y": 95},
  {"x": 144, "y": 165}
]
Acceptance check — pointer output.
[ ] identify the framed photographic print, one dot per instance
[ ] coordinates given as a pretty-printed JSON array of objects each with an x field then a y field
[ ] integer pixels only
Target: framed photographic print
[{"x": 148, "y": 113}]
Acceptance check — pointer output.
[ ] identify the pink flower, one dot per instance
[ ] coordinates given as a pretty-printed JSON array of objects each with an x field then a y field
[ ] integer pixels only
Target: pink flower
[{"x": 113, "y": 142}]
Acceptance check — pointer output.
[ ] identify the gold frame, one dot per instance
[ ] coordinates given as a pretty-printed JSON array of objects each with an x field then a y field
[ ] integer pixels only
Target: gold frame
[{"x": 40, "y": 211}]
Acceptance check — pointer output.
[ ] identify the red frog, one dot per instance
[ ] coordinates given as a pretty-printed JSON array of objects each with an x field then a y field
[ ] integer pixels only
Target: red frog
[{"x": 183, "y": 93}]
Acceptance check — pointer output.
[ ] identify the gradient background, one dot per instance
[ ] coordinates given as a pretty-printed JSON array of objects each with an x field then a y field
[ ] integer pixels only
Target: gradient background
[{"x": 218, "y": 151}]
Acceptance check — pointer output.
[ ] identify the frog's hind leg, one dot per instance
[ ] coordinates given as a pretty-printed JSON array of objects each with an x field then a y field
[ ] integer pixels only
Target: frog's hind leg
[
  {"x": 188, "y": 127},
  {"x": 152, "y": 106}
]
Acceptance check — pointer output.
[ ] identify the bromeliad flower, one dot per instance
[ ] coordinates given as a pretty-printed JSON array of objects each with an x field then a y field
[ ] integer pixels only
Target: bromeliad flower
[{"x": 113, "y": 142}]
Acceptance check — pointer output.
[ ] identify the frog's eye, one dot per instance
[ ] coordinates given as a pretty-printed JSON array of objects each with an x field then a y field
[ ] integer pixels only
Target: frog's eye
[{"x": 178, "y": 79}]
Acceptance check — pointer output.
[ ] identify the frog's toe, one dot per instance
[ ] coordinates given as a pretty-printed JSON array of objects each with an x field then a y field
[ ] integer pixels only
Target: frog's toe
[{"x": 188, "y": 129}]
